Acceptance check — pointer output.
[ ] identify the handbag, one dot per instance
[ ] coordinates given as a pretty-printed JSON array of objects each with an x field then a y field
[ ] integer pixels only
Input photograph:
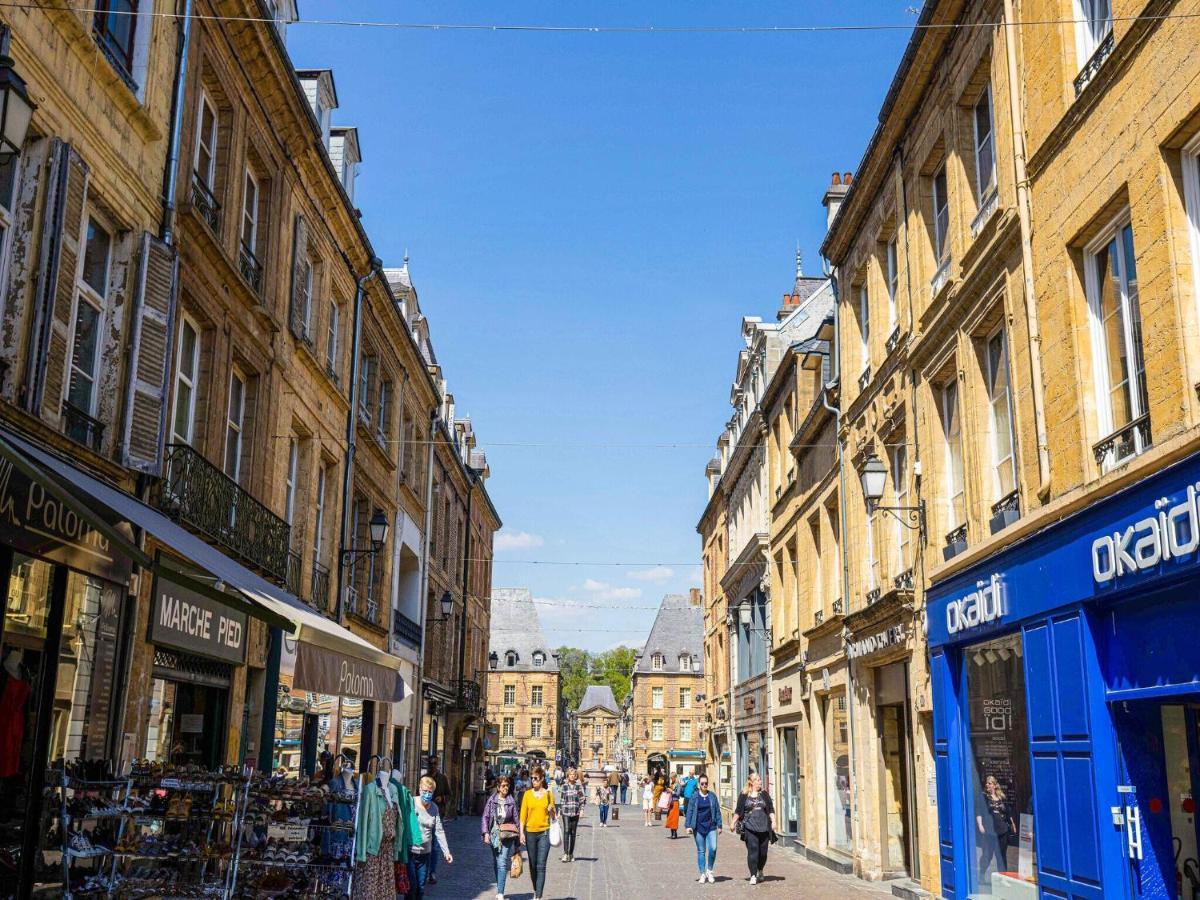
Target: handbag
[
  {"x": 664, "y": 800},
  {"x": 516, "y": 866},
  {"x": 402, "y": 885},
  {"x": 509, "y": 830},
  {"x": 555, "y": 833}
]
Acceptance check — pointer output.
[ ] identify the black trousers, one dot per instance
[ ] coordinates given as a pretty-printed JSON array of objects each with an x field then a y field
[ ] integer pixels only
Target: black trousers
[
  {"x": 757, "y": 843},
  {"x": 572, "y": 823}
]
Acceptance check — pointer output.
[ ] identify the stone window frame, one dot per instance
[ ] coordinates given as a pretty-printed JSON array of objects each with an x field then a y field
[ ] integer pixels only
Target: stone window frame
[
  {"x": 657, "y": 698},
  {"x": 509, "y": 690},
  {"x": 1190, "y": 159}
]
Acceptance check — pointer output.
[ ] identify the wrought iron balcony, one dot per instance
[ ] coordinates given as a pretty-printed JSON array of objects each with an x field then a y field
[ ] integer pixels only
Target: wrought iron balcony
[
  {"x": 466, "y": 698},
  {"x": 295, "y": 562},
  {"x": 838, "y": 607},
  {"x": 205, "y": 203},
  {"x": 320, "y": 588},
  {"x": 1123, "y": 443},
  {"x": 203, "y": 497},
  {"x": 1092, "y": 66},
  {"x": 864, "y": 379},
  {"x": 252, "y": 269},
  {"x": 406, "y": 629},
  {"x": 873, "y": 596},
  {"x": 352, "y": 608},
  {"x": 79, "y": 426},
  {"x": 893, "y": 339},
  {"x": 904, "y": 581},
  {"x": 819, "y": 616}
]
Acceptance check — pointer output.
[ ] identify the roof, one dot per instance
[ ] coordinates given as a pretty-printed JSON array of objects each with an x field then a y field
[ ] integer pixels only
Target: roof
[
  {"x": 516, "y": 629},
  {"x": 599, "y": 696},
  {"x": 678, "y": 631}
]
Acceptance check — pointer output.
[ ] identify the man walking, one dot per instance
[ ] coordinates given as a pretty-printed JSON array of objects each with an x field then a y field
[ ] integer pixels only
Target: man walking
[{"x": 624, "y": 788}]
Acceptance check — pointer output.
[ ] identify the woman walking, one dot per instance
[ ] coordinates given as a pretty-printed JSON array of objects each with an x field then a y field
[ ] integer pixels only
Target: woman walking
[
  {"x": 428, "y": 829},
  {"x": 500, "y": 830},
  {"x": 574, "y": 798},
  {"x": 603, "y": 799},
  {"x": 756, "y": 814},
  {"x": 647, "y": 800},
  {"x": 537, "y": 812},
  {"x": 672, "y": 822},
  {"x": 996, "y": 825},
  {"x": 703, "y": 822}
]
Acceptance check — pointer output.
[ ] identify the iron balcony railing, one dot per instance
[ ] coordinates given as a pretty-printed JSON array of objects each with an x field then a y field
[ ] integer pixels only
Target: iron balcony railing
[
  {"x": 940, "y": 277},
  {"x": 320, "y": 587},
  {"x": 1092, "y": 66},
  {"x": 205, "y": 203},
  {"x": 252, "y": 268},
  {"x": 79, "y": 426},
  {"x": 406, "y": 629},
  {"x": 1128, "y": 440},
  {"x": 467, "y": 696},
  {"x": 352, "y": 601},
  {"x": 203, "y": 497},
  {"x": 295, "y": 565}
]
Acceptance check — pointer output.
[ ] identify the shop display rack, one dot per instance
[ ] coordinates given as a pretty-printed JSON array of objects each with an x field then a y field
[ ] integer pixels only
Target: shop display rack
[{"x": 91, "y": 807}]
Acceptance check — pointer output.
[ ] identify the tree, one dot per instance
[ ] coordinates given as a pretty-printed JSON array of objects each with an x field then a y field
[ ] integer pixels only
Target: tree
[
  {"x": 580, "y": 669},
  {"x": 574, "y": 665},
  {"x": 614, "y": 668}
]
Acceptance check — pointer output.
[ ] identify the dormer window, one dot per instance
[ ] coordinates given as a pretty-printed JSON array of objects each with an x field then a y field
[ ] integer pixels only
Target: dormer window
[
  {"x": 685, "y": 662},
  {"x": 510, "y": 658},
  {"x": 539, "y": 659},
  {"x": 656, "y": 662}
]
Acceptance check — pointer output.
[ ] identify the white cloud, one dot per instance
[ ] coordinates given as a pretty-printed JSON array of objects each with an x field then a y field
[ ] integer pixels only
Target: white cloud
[
  {"x": 518, "y": 540},
  {"x": 602, "y": 590},
  {"x": 658, "y": 573}
]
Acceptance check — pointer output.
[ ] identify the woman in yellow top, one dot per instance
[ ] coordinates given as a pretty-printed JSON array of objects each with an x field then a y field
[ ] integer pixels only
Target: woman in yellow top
[{"x": 537, "y": 812}]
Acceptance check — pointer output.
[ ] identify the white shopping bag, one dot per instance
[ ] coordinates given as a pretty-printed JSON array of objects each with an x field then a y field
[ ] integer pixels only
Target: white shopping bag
[{"x": 555, "y": 833}]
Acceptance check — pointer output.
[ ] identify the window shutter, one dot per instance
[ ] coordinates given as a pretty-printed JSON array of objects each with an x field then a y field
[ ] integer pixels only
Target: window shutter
[
  {"x": 299, "y": 255},
  {"x": 147, "y": 388},
  {"x": 62, "y": 225}
]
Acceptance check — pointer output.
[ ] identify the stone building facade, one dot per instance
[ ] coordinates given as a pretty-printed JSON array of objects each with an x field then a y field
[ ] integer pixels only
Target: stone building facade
[
  {"x": 667, "y": 677},
  {"x": 598, "y": 722},
  {"x": 523, "y": 680},
  {"x": 717, "y": 725}
]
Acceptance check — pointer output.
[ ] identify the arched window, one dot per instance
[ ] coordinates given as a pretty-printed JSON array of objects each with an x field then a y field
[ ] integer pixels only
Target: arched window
[
  {"x": 539, "y": 658},
  {"x": 510, "y": 658}
]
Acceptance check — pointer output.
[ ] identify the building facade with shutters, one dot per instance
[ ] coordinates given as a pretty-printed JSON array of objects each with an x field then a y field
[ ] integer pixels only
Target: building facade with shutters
[
  {"x": 667, "y": 690},
  {"x": 524, "y": 683}
]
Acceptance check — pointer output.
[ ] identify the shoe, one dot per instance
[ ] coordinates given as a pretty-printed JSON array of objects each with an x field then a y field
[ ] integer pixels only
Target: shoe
[
  {"x": 432, "y": 879},
  {"x": 563, "y": 858},
  {"x": 754, "y": 879},
  {"x": 709, "y": 876},
  {"x": 499, "y": 897},
  {"x": 700, "y": 880}
]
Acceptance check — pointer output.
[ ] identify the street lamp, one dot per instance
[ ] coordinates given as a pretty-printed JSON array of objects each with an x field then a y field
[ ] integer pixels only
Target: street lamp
[
  {"x": 378, "y": 529},
  {"x": 447, "y": 605},
  {"x": 874, "y": 479},
  {"x": 16, "y": 111},
  {"x": 494, "y": 659}
]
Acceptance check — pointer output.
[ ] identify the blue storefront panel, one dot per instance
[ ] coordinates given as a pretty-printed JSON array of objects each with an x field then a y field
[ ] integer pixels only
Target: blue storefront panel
[{"x": 1103, "y": 612}]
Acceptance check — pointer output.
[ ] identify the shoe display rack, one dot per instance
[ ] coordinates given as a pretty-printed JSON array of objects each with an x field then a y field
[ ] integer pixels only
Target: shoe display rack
[
  {"x": 91, "y": 810},
  {"x": 296, "y": 839}
]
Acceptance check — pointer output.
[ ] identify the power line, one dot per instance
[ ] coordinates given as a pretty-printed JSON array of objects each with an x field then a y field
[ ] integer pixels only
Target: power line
[{"x": 611, "y": 29}]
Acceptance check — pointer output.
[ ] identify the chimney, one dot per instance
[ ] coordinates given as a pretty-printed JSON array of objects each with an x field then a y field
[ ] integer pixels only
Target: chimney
[
  {"x": 834, "y": 195},
  {"x": 694, "y": 597}
]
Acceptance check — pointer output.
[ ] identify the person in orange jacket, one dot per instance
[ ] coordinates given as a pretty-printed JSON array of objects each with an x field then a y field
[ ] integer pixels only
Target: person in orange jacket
[{"x": 673, "y": 817}]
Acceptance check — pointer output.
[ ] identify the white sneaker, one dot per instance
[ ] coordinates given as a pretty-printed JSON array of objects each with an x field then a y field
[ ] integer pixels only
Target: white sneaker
[
  {"x": 700, "y": 880},
  {"x": 754, "y": 879},
  {"x": 709, "y": 876}
]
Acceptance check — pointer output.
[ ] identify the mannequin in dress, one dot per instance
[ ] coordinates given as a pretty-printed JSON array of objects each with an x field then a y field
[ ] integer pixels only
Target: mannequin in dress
[{"x": 14, "y": 692}]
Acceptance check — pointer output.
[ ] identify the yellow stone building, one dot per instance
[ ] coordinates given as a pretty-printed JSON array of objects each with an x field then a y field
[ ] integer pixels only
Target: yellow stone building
[
  {"x": 523, "y": 681},
  {"x": 598, "y": 721},
  {"x": 717, "y": 724},
  {"x": 667, "y": 688}
]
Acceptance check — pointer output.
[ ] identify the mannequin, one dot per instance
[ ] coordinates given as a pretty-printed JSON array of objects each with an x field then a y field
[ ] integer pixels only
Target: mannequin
[
  {"x": 379, "y": 825},
  {"x": 14, "y": 691}
]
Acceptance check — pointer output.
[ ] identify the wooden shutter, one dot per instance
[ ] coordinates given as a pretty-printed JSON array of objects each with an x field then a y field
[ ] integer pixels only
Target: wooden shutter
[
  {"x": 58, "y": 262},
  {"x": 299, "y": 257},
  {"x": 149, "y": 378}
]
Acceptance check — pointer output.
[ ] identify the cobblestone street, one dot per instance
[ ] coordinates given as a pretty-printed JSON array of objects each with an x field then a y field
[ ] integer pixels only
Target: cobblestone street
[{"x": 628, "y": 860}]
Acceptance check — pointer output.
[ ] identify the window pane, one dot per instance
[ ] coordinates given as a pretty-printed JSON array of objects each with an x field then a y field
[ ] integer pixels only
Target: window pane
[
  {"x": 1135, "y": 320},
  {"x": 941, "y": 213},
  {"x": 1001, "y": 783},
  {"x": 984, "y": 158},
  {"x": 95, "y": 258},
  {"x": 83, "y": 357},
  {"x": 954, "y": 457},
  {"x": 837, "y": 772}
]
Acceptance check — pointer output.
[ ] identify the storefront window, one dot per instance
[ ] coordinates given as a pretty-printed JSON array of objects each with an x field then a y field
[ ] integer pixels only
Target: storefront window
[
  {"x": 1004, "y": 853},
  {"x": 837, "y": 772}
]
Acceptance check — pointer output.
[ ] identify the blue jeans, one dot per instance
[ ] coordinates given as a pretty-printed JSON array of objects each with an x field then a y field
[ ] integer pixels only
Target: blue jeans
[
  {"x": 705, "y": 842},
  {"x": 503, "y": 859},
  {"x": 537, "y": 847},
  {"x": 418, "y": 873},
  {"x": 434, "y": 855},
  {"x": 624, "y": 794},
  {"x": 603, "y": 813}
]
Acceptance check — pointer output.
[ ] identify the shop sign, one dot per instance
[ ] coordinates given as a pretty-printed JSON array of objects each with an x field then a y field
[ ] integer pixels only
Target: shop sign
[
  {"x": 33, "y": 521},
  {"x": 785, "y": 696},
  {"x": 1149, "y": 541},
  {"x": 890, "y": 637},
  {"x": 327, "y": 672},
  {"x": 190, "y": 621},
  {"x": 982, "y": 606}
]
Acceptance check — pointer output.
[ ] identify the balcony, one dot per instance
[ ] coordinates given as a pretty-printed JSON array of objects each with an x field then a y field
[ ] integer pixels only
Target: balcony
[
  {"x": 295, "y": 563},
  {"x": 406, "y": 629},
  {"x": 956, "y": 542},
  {"x": 1124, "y": 443},
  {"x": 864, "y": 379},
  {"x": 940, "y": 277},
  {"x": 873, "y": 596},
  {"x": 1092, "y": 66},
  {"x": 838, "y": 607},
  {"x": 204, "y": 498},
  {"x": 466, "y": 697},
  {"x": 986, "y": 208},
  {"x": 205, "y": 203},
  {"x": 80, "y": 427},
  {"x": 319, "y": 588},
  {"x": 251, "y": 268},
  {"x": 904, "y": 581}
]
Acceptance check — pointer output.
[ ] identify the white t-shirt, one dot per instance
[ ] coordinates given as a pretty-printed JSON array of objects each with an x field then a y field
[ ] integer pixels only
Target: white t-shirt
[{"x": 648, "y": 792}]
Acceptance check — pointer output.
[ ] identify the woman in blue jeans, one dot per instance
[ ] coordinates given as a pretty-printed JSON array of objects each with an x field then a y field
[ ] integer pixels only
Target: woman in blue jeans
[
  {"x": 501, "y": 831},
  {"x": 703, "y": 822}
]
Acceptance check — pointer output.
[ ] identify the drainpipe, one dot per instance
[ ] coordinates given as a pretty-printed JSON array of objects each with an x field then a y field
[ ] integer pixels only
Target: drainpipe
[
  {"x": 462, "y": 625},
  {"x": 171, "y": 175},
  {"x": 424, "y": 588},
  {"x": 1023, "y": 214},
  {"x": 375, "y": 267},
  {"x": 832, "y": 275}
]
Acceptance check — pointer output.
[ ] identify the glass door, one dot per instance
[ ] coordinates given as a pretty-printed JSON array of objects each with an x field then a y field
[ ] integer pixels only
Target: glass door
[
  {"x": 837, "y": 773},
  {"x": 788, "y": 769}
]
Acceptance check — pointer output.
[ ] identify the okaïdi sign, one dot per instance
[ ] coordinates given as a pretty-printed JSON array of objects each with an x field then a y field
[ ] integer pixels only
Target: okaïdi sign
[
  {"x": 1169, "y": 533},
  {"x": 982, "y": 606}
]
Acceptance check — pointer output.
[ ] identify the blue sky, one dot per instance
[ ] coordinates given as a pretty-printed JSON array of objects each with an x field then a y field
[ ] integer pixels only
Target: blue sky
[{"x": 588, "y": 218}]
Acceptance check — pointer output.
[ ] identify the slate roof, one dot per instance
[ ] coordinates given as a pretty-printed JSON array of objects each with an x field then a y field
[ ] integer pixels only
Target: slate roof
[
  {"x": 678, "y": 630},
  {"x": 599, "y": 695},
  {"x": 515, "y": 627}
]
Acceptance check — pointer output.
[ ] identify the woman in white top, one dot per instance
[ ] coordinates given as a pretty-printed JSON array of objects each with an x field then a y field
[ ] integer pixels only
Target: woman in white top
[{"x": 648, "y": 800}]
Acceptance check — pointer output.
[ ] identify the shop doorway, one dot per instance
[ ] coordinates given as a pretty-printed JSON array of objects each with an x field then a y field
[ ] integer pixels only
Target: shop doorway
[
  {"x": 187, "y": 723},
  {"x": 789, "y": 820},
  {"x": 897, "y": 800},
  {"x": 839, "y": 832}
]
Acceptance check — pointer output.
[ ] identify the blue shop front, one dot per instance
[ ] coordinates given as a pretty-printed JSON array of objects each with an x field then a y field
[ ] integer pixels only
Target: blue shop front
[{"x": 1066, "y": 692}]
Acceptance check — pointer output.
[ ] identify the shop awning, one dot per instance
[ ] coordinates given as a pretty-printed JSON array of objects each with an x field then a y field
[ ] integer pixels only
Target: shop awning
[
  {"x": 324, "y": 645},
  {"x": 685, "y": 754}
]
